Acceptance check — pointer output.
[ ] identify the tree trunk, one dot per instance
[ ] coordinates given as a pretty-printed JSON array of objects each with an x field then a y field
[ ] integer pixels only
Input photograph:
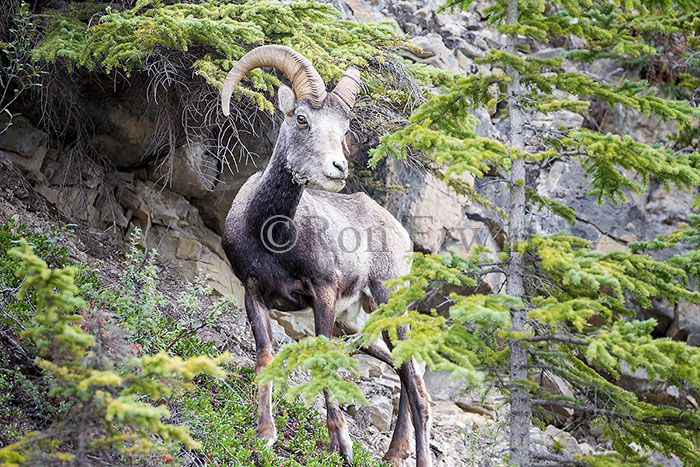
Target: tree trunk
[{"x": 519, "y": 398}]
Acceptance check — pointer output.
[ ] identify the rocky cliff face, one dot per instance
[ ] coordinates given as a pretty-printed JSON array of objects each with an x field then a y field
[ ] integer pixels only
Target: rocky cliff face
[{"x": 181, "y": 207}]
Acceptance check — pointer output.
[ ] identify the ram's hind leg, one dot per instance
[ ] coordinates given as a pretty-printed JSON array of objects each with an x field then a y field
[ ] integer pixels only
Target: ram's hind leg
[
  {"x": 420, "y": 411},
  {"x": 414, "y": 399},
  {"x": 259, "y": 318},
  {"x": 400, "y": 445},
  {"x": 324, "y": 320}
]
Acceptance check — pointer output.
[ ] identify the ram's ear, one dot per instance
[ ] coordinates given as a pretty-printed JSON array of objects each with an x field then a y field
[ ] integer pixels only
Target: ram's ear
[{"x": 286, "y": 100}]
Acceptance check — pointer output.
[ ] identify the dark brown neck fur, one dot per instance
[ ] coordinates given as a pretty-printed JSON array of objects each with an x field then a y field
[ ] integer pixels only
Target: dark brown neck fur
[{"x": 277, "y": 194}]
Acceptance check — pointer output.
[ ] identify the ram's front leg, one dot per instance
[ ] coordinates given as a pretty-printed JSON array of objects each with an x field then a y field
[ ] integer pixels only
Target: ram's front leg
[
  {"x": 259, "y": 317},
  {"x": 324, "y": 319}
]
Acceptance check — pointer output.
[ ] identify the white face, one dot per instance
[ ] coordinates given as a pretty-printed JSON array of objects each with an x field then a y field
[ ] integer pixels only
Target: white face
[{"x": 314, "y": 138}]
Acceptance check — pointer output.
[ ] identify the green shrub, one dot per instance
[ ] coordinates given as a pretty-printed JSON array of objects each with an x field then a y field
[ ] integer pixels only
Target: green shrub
[
  {"x": 107, "y": 396},
  {"x": 18, "y": 73},
  {"x": 156, "y": 325},
  {"x": 221, "y": 33},
  {"x": 222, "y": 414},
  {"x": 18, "y": 313}
]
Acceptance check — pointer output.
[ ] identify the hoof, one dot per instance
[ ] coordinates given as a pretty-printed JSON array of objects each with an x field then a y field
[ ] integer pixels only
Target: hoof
[
  {"x": 342, "y": 446},
  {"x": 398, "y": 452},
  {"x": 392, "y": 460},
  {"x": 395, "y": 458},
  {"x": 267, "y": 433}
]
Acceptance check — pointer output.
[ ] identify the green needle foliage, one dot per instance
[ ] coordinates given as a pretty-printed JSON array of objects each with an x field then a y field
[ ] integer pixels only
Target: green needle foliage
[
  {"x": 180, "y": 52},
  {"x": 109, "y": 409},
  {"x": 136, "y": 388},
  {"x": 579, "y": 301},
  {"x": 220, "y": 33},
  {"x": 580, "y": 304},
  {"x": 323, "y": 359}
]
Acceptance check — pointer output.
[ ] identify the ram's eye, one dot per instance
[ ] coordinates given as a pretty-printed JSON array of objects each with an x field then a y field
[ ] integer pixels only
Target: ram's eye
[{"x": 301, "y": 120}]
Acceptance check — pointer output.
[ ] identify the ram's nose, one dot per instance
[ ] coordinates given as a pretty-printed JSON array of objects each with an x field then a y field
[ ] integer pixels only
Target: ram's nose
[
  {"x": 337, "y": 169},
  {"x": 342, "y": 166}
]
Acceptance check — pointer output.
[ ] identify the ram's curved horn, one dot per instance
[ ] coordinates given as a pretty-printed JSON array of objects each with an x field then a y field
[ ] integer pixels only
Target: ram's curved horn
[
  {"x": 347, "y": 87},
  {"x": 304, "y": 78}
]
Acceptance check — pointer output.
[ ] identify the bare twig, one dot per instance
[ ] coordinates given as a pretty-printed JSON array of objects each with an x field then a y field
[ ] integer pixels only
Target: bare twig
[{"x": 559, "y": 338}]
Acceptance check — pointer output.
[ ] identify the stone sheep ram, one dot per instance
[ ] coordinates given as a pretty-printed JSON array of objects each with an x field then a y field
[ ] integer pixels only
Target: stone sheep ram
[{"x": 282, "y": 239}]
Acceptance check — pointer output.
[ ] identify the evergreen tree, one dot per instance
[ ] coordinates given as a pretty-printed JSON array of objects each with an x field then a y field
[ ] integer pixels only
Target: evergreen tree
[
  {"x": 568, "y": 310},
  {"x": 108, "y": 409},
  {"x": 558, "y": 284},
  {"x": 213, "y": 35}
]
